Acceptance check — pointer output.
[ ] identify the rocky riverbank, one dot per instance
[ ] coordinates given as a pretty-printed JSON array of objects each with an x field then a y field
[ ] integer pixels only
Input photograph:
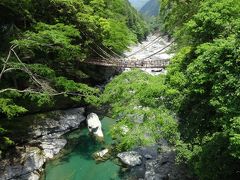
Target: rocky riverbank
[
  {"x": 44, "y": 141},
  {"x": 153, "y": 163}
]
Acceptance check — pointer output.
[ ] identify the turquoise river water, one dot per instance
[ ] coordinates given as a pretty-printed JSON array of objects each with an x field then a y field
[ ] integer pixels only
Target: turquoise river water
[{"x": 76, "y": 162}]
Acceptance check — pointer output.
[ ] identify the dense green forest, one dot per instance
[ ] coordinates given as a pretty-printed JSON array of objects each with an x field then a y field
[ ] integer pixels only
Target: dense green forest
[
  {"x": 195, "y": 106},
  {"x": 204, "y": 80},
  {"x": 44, "y": 42},
  {"x": 200, "y": 90}
]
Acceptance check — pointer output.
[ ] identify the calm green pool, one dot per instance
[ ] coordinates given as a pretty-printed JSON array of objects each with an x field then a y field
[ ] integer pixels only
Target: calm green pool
[{"x": 77, "y": 163}]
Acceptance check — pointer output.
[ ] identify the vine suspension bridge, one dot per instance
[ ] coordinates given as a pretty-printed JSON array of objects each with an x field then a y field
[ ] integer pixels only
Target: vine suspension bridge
[{"x": 149, "y": 61}]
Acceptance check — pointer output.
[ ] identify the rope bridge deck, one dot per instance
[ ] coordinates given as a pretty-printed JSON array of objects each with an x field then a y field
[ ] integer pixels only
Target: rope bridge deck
[{"x": 162, "y": 63}]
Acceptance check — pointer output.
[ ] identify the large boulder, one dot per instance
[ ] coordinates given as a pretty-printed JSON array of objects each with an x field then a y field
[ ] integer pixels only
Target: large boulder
[
  {"x": 130, "y": 158},
  {"x": 158, "y": 163},
  {"x": 95, "y": 126}
]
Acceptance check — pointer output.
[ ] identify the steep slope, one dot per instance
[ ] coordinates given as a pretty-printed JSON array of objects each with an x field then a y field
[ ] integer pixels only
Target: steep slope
[
  {"x": 151, "y": 8},
  {"x": 138, "y": 4}
]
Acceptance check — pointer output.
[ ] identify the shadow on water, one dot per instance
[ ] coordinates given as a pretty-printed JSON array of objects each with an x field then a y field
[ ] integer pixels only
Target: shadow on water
[{"x": 85, "y": 147}]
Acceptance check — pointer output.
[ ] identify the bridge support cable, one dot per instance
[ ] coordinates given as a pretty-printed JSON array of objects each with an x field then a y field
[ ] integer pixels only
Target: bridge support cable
[
  {"x": 142, "y": 48},
  {"x": 97, "y": 53},
  {"x": 105, "y": 52},
  {"x": 116, "y": 54},
  {"x": 110, "y": 56},
  {"x": 158, "y": 51},
  {"x": 141, "y": 63}
]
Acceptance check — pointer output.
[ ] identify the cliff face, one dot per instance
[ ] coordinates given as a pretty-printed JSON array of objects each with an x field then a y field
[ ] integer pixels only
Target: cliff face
[
  {"x": 42, "y": 134},
  {"x": 151, "y": 8}
]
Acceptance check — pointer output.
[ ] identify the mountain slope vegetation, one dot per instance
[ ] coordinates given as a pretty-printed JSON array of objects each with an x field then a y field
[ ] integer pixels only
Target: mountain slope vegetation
[
  {"x": 138, "y": 4},
  {"x": 151, "y": 8}
]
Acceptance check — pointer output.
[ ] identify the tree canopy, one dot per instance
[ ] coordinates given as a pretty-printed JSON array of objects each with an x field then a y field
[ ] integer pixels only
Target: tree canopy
[
  {"x": 204, "y": 76},
  {"x": 44, "y": 42}
]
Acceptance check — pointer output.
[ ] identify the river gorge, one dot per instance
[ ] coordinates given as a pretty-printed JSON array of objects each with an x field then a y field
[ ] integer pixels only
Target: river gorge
[{"x": 57, "y": 145}]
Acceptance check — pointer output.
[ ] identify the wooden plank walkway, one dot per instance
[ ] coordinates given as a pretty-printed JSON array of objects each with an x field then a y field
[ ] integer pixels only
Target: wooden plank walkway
[{"x": 130, "y": 63}]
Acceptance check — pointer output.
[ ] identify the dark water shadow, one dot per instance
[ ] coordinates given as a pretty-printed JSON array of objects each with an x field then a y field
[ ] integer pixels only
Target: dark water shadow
[{"x": 85, "y": 147}]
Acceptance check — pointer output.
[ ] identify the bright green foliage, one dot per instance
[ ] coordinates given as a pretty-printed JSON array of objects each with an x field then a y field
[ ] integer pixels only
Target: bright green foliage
[
  {"x": 41, "y": 70},
  {"x": 175, "y": 13},
  {"x": 213, "y": 20},
  {"x": 5, "y": 142},
  {"x": 52, "y": 45},
  {"x": 136, "y": 100},
  {"x": 115, "y": 33},
  {"x": 234, "y": 132},
  {"x": 82, "y": 90},
  {"x": 203, "y": 84},
  {"x": 54, "y": 36},
  {"x": 55, "y": 39},
  {"x": 50, "y": 40},
  {"x": 9, "y": 108},
  {"x": 212, "y": 159},
  {"x": 94, "y": 18}
]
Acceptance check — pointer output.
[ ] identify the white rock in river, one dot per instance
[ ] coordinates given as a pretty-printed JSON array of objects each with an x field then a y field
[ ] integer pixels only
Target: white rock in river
[
  {"x": 102, "y": 153},
  {"x": 94, "y": 125},
  {"x": 130, "y": 158}
]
